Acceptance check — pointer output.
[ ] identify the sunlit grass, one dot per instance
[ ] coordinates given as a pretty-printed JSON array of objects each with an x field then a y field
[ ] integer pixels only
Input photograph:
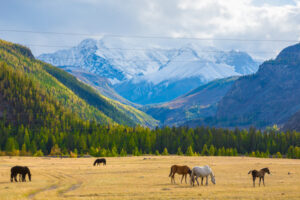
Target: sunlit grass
[{"x": 136, "y": 178}]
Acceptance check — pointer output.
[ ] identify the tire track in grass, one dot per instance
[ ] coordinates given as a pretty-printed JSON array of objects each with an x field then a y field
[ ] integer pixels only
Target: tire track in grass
[
  {"x": 48, "y": 188},
  {"x": 58, "y": 177}
]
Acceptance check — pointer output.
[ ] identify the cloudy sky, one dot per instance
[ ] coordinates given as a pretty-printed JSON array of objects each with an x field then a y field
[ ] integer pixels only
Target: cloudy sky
[{"x": 259, "y": 27}]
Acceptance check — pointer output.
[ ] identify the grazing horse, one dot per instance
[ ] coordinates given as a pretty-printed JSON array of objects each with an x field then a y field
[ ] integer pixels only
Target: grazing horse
[
  {"x": 202, "y": 172},
  {"x": 19, "y": 170},
  {"x": 184, "y": 170},
  {"x": 260, "y": 174},
  {"x": 101, "y": 160}
]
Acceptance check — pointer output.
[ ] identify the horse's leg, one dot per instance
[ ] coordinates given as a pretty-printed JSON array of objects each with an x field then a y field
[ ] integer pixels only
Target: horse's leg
[
  {"x": 197, "y": 180},
  {"x": 263, "y": 178},
  {"x": 182, "y": 178},
  {"x": 254, "y": 181},
  {"x": 185, "y": 178},
  {"x": 24, "y": 177},
  {"x": 206, "y": 180},
  {"x": 15, "y": 177},
  {"x": 12, "y": 177},
  {"x": 201, "y": 180},
  {"x": 259, "y": 181},
  {"x": 173, "y": 178}
]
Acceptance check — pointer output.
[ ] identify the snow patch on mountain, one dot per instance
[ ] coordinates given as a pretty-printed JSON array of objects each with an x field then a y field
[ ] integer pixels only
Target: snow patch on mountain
[{"x": 144, "y": 64}]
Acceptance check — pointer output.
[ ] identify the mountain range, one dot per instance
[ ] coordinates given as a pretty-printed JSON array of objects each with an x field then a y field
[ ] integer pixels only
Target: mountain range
[
  {"x": 152, "y": 74},
  {"x": 31, "y": 88}
]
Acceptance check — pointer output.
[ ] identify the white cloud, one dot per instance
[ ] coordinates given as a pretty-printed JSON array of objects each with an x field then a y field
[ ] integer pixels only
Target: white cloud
[{"x": 240, "y": 19}]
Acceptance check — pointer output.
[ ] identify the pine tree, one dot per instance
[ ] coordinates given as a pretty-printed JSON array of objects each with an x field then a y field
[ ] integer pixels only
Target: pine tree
[
  {"x": 123, "y": 152},
  {"x": 189, "y": 151},
  {"x": 165, "y": 152},
  {"x": 157, "y": 152},
  {"x": 179, "y": 151},
  {"x": 11, "y": 145},
  {"x": 204, "y": 150},
  {"x": 211, "y": 150},
  {"x": 114, "y": 151},
  {"x": 278, "y": 155},
  {"x": 290, "y": 153}
]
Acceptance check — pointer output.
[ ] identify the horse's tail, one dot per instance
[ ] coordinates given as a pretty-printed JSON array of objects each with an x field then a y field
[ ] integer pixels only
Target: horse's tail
[
  {"x": 250, "y": 171},
  {"x": 171, "y": 171}
]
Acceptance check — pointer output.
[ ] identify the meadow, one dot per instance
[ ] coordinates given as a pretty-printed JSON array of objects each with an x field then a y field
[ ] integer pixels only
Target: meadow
[{"x": 146, "y": 177}]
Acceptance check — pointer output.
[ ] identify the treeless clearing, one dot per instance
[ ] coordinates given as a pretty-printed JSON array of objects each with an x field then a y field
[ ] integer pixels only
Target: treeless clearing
[{"x": 136, "y": 178}]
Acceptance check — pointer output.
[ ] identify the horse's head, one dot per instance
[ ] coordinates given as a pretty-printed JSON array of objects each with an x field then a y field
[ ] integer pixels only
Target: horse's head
[
  {"x": 267, "y": 170},
  {"x": 190, "y": 172},
  {"x": 27, "y": 171},
  {"x": 213, "y": 180}
]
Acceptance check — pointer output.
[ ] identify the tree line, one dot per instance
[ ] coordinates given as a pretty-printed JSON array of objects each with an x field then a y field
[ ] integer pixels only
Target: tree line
[{"x": 102, "y": 140}]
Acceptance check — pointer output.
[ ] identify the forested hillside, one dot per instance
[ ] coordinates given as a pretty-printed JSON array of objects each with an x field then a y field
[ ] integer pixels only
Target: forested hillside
[
  {"x": 270, "y": 96},
  {"x": 68, "y": 91}
]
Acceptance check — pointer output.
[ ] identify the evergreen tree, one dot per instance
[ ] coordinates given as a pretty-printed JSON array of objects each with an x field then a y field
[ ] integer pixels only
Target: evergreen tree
[
  {"x": 211, "y": 151},
  {"x": 157, "y": 152},
  {"x": 165, "y": 152},
  {"x": 290, "y": 153},
  {"x": 204, "y": 150},
  {"x": 189, "y": 151},
  {"x": 114, "y": 151},
  {"x": 11, "y": 145},
  {"x": 179, "y": 151},
  {"x": 278, "y": 155},
  {"x": 123, "y": 152}
]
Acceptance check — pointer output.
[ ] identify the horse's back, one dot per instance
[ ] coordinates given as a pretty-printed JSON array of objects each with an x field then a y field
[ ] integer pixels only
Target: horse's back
[
  {"x": 202, "y": 170},
  {"x": 180, "y": 169},
  {"x": 17, "y": 169}
]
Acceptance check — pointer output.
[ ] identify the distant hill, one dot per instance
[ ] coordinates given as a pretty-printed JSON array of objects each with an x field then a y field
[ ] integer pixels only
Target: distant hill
[
  {"x": 146, "y": 73},
  {"x": 271, "y": 96},
  {"x": 62, "y": 89},
  {"x": 198, "y": 103}
]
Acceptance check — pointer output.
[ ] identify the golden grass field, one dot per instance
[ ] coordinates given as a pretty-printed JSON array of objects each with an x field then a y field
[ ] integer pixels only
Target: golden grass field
[{"x": 136, "y": 178}]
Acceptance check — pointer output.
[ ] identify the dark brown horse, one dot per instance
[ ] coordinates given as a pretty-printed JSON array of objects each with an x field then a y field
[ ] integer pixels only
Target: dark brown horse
[
  {"x": 100, "y": 160},
  {"x": 19, "y": 170},
  {"x": 184, "y": 170},
  {"x": 260, "y": 174}
]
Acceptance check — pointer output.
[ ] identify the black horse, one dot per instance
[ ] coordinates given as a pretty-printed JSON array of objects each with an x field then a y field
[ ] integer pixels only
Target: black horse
[
  {"x": 19, "y": 170},
  {"x": 100, "y": 160}
]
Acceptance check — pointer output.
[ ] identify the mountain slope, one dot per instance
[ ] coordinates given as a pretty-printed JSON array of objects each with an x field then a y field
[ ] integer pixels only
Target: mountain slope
[
  {"x": 198, "y": 103},
  {"x": 154, "y": 73},
  {"x": 271, "y": 96},
  {"x": 68, "y": 91},
  {"x": 101, "y": 84}
]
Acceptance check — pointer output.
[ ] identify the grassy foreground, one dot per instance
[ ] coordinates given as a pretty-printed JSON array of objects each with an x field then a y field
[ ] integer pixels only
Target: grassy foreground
[{"x": 136, "y": 178}]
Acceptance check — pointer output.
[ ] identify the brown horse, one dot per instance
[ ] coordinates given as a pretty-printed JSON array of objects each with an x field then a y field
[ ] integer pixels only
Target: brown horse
[
  {"x": 184, "y": 170},
  {"x": 260, "y": 174}
]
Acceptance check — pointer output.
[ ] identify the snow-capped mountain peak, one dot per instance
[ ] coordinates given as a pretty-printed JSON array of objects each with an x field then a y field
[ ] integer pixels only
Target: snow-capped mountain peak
[{"x": 130, "y": 63}]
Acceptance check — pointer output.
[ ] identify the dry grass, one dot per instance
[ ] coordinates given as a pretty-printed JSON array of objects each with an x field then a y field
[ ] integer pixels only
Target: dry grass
[{"x": 136, "y": 178}]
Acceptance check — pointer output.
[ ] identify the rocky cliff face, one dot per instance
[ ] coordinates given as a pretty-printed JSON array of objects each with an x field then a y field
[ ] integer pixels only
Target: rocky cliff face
[{"x": 271, "y": 96}]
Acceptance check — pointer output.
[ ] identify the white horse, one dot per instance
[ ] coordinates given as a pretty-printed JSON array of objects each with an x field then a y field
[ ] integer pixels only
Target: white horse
[{"x": 202, "y": 172}]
